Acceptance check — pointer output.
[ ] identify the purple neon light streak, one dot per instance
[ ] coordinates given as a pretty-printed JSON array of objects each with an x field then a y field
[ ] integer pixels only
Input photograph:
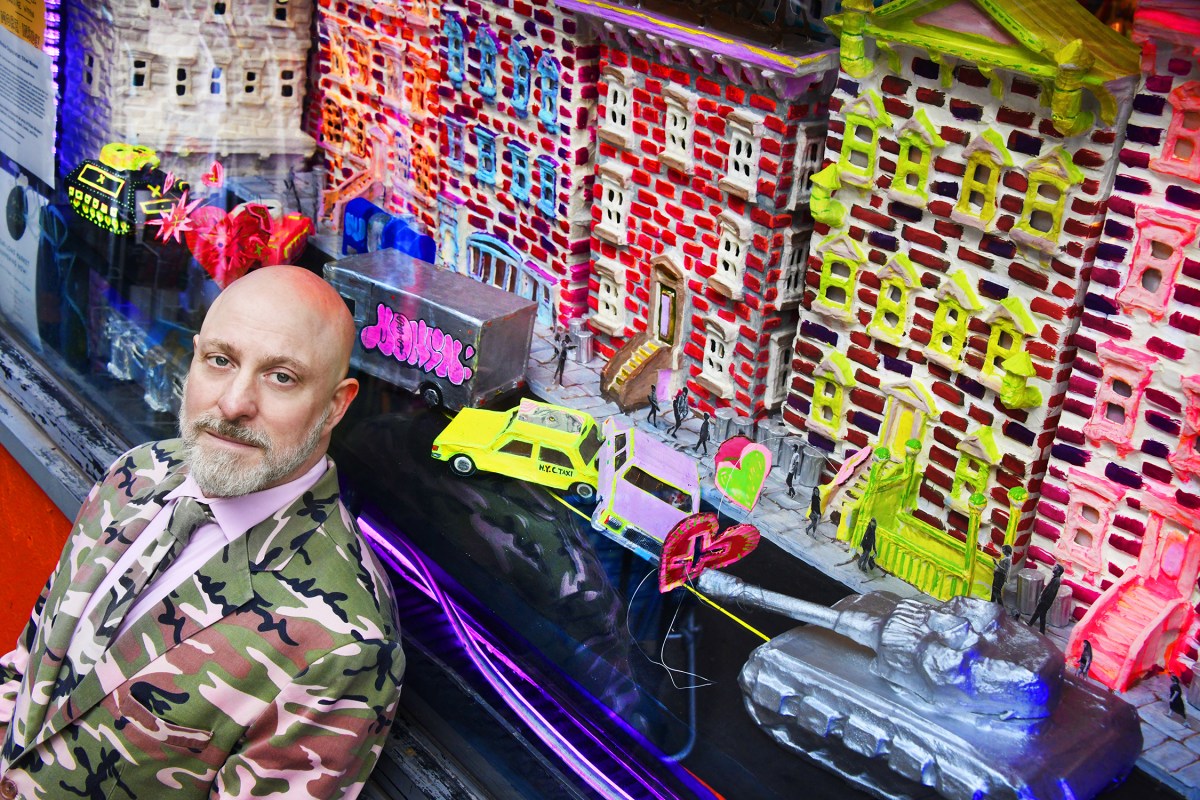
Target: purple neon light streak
[{"x": 474, "y": 642}]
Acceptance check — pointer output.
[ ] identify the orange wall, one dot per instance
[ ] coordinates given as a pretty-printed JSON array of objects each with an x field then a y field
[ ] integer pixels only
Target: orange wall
[{"x": 32, "y": 534}]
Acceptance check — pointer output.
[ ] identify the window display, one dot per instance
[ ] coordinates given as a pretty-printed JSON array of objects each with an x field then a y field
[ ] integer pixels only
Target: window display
[{"x": 909, "y": 283}]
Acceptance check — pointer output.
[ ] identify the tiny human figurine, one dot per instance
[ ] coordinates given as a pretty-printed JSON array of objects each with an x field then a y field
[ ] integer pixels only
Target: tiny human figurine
[
  {"x": 561, "y": 347},
  {"x": 679, "y": 406},
  {"x": 1084, "y": 665},
  {"x": 866, "y": 560},
  {"x": 702, "y": 439},
  {"x": 793, "y": 467},
  {"x": 1046, "y": 598},
  {"x": 652, "y": 417},
  {"x": 1175, "y": 698},
  {"x": 1000, "y": 573},
  {"x": 814, "y": 512}
]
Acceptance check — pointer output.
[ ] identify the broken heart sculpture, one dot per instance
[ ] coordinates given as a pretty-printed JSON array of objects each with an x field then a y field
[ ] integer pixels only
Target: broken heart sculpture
[{"x": 695, "y": 544}]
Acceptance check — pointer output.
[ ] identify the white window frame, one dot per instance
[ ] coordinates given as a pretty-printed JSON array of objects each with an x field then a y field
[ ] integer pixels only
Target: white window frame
[
  {"x": 744, "y": 132},
  {"x": 810, "y": 154},
  {"x": 620, "y": 84},
  {"x": 615, "y": 180},
  {"x": 793, "y": 265},
  {"x": 730, "y": 259},
  {"x": 720, "y": 337},
  {"x": 678, "y": 138},
  {"x": 781, "y": 352},
  {"x": 253, "y": 98},
  {"x": 187, "y": 81},
  {"x": 611, "y": 291}
]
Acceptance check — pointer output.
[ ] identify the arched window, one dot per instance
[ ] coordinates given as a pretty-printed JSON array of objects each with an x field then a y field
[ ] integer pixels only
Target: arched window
[
  {"x": 522, "y": 78},
  {"x": 548, "y": 70},
  {"x": 488, "y": 52},
  {"x": 454, "y": 51}
]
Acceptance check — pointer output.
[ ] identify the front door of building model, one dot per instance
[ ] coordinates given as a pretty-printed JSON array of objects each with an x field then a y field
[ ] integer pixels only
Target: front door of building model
[{"x": 664, "y": 316}]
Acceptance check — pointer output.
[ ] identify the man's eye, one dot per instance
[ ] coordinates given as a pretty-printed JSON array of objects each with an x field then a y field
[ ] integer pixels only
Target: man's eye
[
  {"x": 283, "y": 377},
  {"x": 219, "y": 361}
]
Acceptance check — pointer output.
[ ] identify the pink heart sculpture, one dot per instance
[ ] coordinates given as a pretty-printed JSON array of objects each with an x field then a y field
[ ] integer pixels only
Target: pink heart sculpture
[{"x": 694, "y": 545}]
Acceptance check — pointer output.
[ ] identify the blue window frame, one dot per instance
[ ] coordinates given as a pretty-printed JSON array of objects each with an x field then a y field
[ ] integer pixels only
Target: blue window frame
[
  {"x": 548, "y": 70},
  {"x": 488, "y": 51},
  {"x": 522, "y": 78},
  {"x": 485, "y": 166},
  {"x": 454, "y": 143},
  {"x": 455, "y": 51},
  {"x": 518, "y": 155},
  {"x": 548, "y": 183}
]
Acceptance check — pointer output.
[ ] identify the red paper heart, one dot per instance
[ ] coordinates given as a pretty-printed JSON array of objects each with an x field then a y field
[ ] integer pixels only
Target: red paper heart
[
  {"x": 215, "y": 178},
  {"x": 694, "y": 545}
]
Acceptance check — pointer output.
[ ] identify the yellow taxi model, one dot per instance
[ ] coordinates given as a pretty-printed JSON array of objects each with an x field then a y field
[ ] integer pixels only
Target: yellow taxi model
[{"x": 538, "y": 442}]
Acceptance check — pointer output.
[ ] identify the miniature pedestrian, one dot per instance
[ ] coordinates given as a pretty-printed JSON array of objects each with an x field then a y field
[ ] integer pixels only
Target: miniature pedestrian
[
  {"x": 814, "y": 511},
  {"x": 1000, "y": 573},
  {"x": 1175, "y": 698},
  {"x": 702, "y": 440},
  {"x": 562, "y": 346},
  {"x": 679, "y": 406},
  {"x": 793, "y": 468},
  {"x": 1046, "y": 598},
  {"x": 652, "y": 417},
  {"x": 866, "y": 560},
  {"x": 1084, "y": 665}
]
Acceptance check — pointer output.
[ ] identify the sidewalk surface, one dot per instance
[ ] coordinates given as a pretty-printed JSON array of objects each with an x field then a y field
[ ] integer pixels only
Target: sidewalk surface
[{"x": 1171, "y": 752}]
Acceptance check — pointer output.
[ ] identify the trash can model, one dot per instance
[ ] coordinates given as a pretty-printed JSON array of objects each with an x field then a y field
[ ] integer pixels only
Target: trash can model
[
  {"x": 773, "y": 435},
  {"x": 1029, "y": 588},
  {"x": 584, "y": 344},
  {"x": 723, "y": 424},
  {"x": 1059, "y": 615},
  {"x": 811, "y": 466}
]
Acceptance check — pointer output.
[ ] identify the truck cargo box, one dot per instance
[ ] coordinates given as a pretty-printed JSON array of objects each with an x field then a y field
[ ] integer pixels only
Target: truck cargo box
[{"x": 453, "y": 340}]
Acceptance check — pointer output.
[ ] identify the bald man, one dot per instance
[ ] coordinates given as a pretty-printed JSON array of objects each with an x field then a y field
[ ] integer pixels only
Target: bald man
[{"x": 216, "y": 626}]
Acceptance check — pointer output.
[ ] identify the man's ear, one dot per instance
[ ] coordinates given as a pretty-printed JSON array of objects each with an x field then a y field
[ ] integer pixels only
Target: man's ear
[{"x": 343, "y": 394}]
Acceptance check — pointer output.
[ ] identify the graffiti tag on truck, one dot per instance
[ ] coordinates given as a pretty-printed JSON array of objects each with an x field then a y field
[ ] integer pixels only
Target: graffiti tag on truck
[{"x": 422, "y": 345}]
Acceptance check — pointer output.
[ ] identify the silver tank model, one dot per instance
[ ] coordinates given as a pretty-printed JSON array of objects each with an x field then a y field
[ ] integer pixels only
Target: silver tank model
[{"x": 910, "y": 699}]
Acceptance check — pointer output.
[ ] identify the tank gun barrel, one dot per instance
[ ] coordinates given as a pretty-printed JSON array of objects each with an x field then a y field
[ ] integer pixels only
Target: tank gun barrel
[{"x": 726, "y": 586}]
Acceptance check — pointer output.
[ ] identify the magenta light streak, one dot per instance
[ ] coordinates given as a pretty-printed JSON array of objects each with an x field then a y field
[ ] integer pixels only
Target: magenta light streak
[{"x": 474, "y": 642}]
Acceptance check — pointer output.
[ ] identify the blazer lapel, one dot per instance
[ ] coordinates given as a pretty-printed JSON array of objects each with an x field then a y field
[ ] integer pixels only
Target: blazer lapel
[
  {"x": 111, "y": 536},
  {"x": 215, "y": 591}
]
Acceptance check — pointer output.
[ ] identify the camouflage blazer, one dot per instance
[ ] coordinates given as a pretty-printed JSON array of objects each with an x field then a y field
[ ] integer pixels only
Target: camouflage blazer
[{"x": 274, "y": 670}]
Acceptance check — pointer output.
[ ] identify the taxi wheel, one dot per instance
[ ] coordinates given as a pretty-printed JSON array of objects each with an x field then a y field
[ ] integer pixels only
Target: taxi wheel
[
  {"x": 462, "y": 465},
  {"x": 585, "y": 491}
]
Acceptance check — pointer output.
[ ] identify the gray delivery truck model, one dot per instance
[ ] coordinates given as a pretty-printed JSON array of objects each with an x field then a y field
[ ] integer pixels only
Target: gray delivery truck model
[{"x": 453, "y": 340}]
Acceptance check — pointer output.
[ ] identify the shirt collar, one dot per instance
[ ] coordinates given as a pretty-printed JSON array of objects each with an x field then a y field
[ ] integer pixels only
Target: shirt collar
[{"x": 236, "y": 515}]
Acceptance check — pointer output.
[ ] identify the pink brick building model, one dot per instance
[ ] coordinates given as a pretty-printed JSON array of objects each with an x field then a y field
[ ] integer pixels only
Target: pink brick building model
[
  {"x": 517, "y": 89},
  {"x": 377, "y": 106},
  {"x": 971, "y": 148},
  {"x": 700, "y": 223},
  {"x": 1121, "y": 502}
]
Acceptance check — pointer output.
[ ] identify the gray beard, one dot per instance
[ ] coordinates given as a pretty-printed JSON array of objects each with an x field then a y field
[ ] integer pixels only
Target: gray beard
[{"x": 220, "y": 473}]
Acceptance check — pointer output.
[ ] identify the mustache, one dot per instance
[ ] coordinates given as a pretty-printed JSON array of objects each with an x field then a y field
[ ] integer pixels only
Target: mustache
[{"x": 229, "y": 430}]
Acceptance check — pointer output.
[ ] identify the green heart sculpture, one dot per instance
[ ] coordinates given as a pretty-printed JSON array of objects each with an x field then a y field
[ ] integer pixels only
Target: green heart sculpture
[{"x": 742, "y": 480}]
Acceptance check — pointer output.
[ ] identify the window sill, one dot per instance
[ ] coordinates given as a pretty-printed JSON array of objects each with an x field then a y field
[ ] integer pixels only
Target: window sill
[
  {"x": 979, "y": 223},
  {"x": 833, "y": 312},
  {"x": 722, "y": 389},
  {"x": 610, "y": 234},
  {"x": 735, "y": 188},
  {"x": 609, "y": 325},
  {"x": 952, "y": 364},
  {"x": 1039, "y": 243},
  {"x": 726, "y": 287},
  {"x": 614, "y": 136},
  {"x": 677, "y": 162}
]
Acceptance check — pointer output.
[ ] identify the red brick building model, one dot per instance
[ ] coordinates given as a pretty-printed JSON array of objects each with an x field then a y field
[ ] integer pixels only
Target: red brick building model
[
  {"x": 971, "y": 148},
  {"x": 1120, "y": 505},
  {"x": 518, "y": 90},
  {"x": 700, "y": 223},
  {"x": 376, "y": 106}
]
